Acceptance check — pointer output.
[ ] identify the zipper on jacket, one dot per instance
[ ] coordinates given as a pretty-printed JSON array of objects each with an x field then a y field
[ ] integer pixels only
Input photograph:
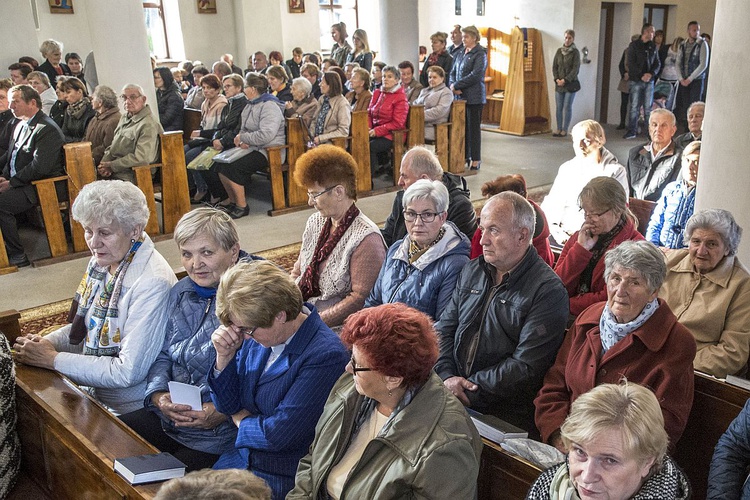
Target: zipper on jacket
[{"x": 408, "y": 273}]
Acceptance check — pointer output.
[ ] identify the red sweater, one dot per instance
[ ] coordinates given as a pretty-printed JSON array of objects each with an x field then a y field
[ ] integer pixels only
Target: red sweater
[
  {"x": 574, "y": 259},
  {"x": 659, "y": 355},
  {"x": 540, "y": 241},
  {"x": 387, "y": 112}
]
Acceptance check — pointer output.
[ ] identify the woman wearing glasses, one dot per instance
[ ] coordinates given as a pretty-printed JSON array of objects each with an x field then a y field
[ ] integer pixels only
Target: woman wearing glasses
[
  {"x": 421, "y": 269},
  {"x": 390, "y": 428},
  {"x": 276, "y": 362},
  {"x": 342, "y": 249},
  {"x": 607, "y": 222}
]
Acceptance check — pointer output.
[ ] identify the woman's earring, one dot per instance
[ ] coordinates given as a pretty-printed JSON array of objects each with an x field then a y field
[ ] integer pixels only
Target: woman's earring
[{"x": 132, "y": 240}]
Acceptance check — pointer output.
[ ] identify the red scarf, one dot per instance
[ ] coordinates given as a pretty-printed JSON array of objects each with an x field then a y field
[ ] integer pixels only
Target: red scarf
[
  {"x": 309, "y": 284},
  {"x": 432, "y": 60}
]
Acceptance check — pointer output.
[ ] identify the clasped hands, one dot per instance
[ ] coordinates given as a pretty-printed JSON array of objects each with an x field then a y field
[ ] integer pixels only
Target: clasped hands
[
  {"x": 184, "y": 415},
  {"x": 35, "y": 350}
]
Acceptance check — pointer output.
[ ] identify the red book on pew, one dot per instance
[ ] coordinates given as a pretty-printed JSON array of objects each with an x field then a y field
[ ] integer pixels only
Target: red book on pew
[{"x": 149, "y": 468}]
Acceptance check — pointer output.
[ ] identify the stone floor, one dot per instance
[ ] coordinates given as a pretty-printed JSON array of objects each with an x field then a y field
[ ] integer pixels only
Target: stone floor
[{"x": 537, "y": 158}]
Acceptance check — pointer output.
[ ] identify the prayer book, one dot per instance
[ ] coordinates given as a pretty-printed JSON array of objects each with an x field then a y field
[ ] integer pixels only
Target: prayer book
[
  {"x": 149, "y": 468},
  {"x": 496, "y": 430}
]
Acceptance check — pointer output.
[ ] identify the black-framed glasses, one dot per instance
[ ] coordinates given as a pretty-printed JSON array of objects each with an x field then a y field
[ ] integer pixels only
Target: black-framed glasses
[
  {"x": 592, "y": 215},
  {"x": 356, "y": 368},
  {"x": 315, "y": 196},
  {"x": 427, "y": 217}
]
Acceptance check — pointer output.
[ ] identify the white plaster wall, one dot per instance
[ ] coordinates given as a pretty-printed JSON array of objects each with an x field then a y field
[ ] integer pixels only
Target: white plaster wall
[
  {"x": 299, "y": 30},
  {"x": 208, "y": 36}
]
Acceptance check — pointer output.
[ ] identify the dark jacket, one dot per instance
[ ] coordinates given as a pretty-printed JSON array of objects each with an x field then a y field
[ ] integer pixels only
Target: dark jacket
[
  {"x": 460, "y": 210},
  {"x": 427, "y": 284},
  {"x": 285, "y": 94},
  {"x": 728, "y": 472},
  {"x": 364, "y": 59},
  {"x": 428, "y": 449},
  {"x": 231, "y": 121},
  {"x": 444, "y": 60},
  {"x": 647, "y": 178},
  {"x": 39, "y": 157},
  {"x": 170, "y": 105},
  {"x": 294, "y": 67},
  {"x": 74, "y": 126},
  {"x": 565, "y": 67},
  {"x": 7, "y": 126},
  {"x": 57, "y": 112},
  {"x": 517, "y": 333},
  {"x": 467, "y": 75},
  {"x": 49, "y": 70},
  {"x": 187, "y": 357},
  {"x": 642, "y": 58}
]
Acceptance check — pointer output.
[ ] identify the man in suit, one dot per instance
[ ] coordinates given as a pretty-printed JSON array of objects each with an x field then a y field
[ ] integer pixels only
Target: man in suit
[{"x": 34, "y": 153}]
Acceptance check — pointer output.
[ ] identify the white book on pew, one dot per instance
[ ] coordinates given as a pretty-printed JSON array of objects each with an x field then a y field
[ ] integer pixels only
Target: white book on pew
[
  {"x": 231, "y": 155},
  {"x": 739, "y": 382},
  {"x": 496, "y": 430},
  {"x": 149, "y": 468}
]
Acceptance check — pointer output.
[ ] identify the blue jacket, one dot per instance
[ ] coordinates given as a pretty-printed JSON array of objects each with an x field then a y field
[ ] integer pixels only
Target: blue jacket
[
  {"x": 467, "y": 75},
  {"x": 666, "y": 228},
  {"x": 285, "y": 401},
  {"x": 428, "y": 283},
  {"x": 187, "y": 357},
  {"x": 726, "y": 477}
]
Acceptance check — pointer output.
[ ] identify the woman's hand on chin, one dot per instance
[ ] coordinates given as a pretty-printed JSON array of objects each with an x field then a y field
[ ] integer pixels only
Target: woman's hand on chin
[{"x": 585, "y": 237}]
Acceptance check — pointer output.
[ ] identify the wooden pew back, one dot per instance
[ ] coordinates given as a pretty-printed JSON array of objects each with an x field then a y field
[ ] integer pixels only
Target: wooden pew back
[
  {"x": 457, "y": 139},
  {"x": 643, "y": 210},
  {"x": 191, "y": 120},
  {"x": 503, "y": 476},
  {"x": 410, "y": 137}
]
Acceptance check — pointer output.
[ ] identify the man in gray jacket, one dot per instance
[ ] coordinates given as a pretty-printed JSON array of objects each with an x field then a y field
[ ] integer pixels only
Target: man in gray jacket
[
  {"x": 502, "y": 329},
  {"x": 136, "y": 140}
]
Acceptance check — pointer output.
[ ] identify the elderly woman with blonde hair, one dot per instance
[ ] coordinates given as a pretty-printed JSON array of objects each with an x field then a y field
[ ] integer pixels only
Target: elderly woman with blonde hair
[
  {"x": 52, "y": 52},
  {"x": 118, "y": 306},
  {"x": 617, "y": 450},
  {"x": 276, "y": 362},
  {"x": 342, "y": 249}
]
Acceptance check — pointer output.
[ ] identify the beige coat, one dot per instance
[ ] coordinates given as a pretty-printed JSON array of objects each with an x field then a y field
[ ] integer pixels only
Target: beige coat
[
  {"x": 715, "y": 307},
  {"x": 337, "y": 121},
  {"x": 136, "y": 142}
]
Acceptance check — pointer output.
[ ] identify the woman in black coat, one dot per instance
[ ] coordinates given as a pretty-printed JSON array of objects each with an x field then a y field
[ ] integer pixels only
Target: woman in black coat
[
  {"x": 79, "y": 112},
  {"x": 52, "y": 66},
  {"x": 439, "y": 57},
  {"x": 169, "y": 99}
]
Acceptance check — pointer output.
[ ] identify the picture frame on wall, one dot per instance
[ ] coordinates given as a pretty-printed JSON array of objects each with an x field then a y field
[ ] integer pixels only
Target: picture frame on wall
[
  {"x": 296, "y": 6},
  {"x": 61, "y": 6},
  {"x": 206, "y": 6}
]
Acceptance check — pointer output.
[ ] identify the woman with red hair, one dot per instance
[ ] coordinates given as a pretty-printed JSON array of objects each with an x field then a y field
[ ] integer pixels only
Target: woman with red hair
[{"x": 390, "y": 428}]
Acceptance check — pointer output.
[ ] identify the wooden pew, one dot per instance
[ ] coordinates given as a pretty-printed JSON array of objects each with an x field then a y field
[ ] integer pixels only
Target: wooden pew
[
  {"x": 642, "y": 210},
  {"x": 175, "y": 198},
  {"x": 503, "y": 476},
  {"x": 407, "y": 138},
  {"x": 79, "y": 167},
  {"x": 285, "y": 193},
  {"x": 191, "y": 120},
  {"x": 69, "y": 441},
  {"x": 359, "y": 148},
  {"x": 5, "y": 266},
  {"x": 715, "y": 405},
  {"x": 448, "y": 133}
]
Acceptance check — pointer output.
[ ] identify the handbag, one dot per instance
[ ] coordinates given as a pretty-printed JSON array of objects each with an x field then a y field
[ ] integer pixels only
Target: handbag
[
  {"x": 204, "y": 160},
  {"x": 573, "y": 86},
  {"x": 624, "y": 86}
]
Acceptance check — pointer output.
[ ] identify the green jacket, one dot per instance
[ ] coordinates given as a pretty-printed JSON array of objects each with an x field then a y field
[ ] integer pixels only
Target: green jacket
[
  {"x": 430, "y": 449},
  {"x": 136, "y": 142}
]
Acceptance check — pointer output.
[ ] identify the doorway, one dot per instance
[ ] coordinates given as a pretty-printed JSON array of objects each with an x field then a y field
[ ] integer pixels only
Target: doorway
[{"x": 606, "y": 29}]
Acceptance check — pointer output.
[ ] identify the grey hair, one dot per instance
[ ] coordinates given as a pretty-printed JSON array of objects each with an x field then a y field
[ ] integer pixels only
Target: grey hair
[
  {"x": 423, "y": 189},
  {"x": 106, "y": 95},
  {"x": 39, "y": 75},
  {"x": 216, "y": 224},
  {"x": 422, "y": 161},
  {"x": 50, "y": 45},
  {"x": 640, "y": 256},
  {"x": 304, "y": 84},
  {"x": 392, "y": 70},
  {"x": 131, "y": 86},
  {"x": 115, "y": 201},
  {"x": 523, "y": 213},
  {"x": 663, "y": 111},
  {"x": 721, "y": 221},
  {"x": 696, "y": 103}
]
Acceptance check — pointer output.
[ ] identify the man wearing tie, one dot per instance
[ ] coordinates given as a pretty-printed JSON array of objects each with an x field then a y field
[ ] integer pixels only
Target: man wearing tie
[{"x": 34, "y": 153}]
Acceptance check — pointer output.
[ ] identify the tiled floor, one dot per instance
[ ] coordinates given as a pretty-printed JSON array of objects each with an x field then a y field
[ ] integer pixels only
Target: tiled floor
[{"x": 537, "y": 158}]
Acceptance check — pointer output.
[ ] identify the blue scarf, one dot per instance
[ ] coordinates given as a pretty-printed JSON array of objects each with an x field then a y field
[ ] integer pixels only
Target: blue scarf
[{"x": 611, "y": 332}]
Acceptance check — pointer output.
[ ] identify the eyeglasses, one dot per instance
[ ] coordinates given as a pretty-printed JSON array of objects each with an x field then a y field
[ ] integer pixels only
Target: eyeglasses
[
  {"x": 356, "y": 368},
  {"x": 131, "y": 98},
  {"x": 243, "y": 330},
  {"x": 589, "y": 215},
  {"x": 315, "y": 196},
  {"x": 426, "y": 217}
]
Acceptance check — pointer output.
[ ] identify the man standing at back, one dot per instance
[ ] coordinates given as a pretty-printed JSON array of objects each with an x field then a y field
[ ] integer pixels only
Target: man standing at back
[
  {"x": 654, "y": 165},
  {"x": 421, "y": 163},
  {"x": 643, "y": 64},
  {"x": 693, "y": 63},
  {"x": 502, "y": 329}
]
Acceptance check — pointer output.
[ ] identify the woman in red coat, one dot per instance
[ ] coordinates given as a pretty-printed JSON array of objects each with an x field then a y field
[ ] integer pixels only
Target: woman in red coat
[
  {"x": 517, "y": 184},
  {"x": 387, "y": 112},
  {"x": 608, "y": 222},
  {"x": 632, "y": 335}
]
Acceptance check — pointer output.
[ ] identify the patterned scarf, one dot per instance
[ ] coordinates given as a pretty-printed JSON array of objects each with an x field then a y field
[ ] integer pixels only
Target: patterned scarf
[
  {"x": 102, "y": 333},
  {"x": 611, "y": 332},
  {"x": 432, "y": 60},
  {"x": 600, "y": 248},
  {"x": 309, "y": 284},
  {"x": 321, "y": 121},
  {"x": 415, "y": 252},
  {"x": 562, "y": 487},
  {"x": 76, "y": 110}
]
